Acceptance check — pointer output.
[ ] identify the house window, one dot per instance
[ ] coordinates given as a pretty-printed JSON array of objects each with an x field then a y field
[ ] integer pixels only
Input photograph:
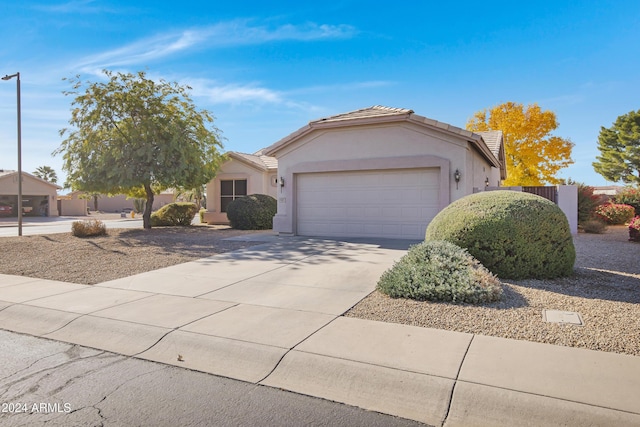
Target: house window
[{"x": 230, "y": 190}]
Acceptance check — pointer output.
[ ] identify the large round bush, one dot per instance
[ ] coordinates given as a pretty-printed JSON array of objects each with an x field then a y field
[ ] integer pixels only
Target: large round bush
[
  {"x": 177, "y": 213},
  {"x": 515, "y": 235},
  {"x": 254, "y": 212},
  {"x": 440, "y": 271}
]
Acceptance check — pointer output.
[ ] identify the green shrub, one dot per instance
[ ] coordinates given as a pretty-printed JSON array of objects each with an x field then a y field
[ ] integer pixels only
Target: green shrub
[
  {"x": 629, "y": 196},
  {"x": 587, "y": 203},
  {"x": 514, "y": 235},
  {"x": 254, "y": 212},
  {"x": 88, "y": 228},
  {"x": 594, "y": 226},
  {"x": 440, "y": 271},
  {"x": 201, "y": 213},
  {"x": 178, "y": 213},
  {"x": 615, "y": 214}
]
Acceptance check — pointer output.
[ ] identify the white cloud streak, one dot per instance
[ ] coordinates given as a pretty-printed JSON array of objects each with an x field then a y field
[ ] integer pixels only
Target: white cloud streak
[
  {"x": 73, "y": 6},
  {"x": 220, "y": 35}
]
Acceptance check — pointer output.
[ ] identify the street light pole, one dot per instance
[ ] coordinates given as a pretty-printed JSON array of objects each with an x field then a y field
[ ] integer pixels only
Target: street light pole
[{"x": 9, "y": 77}]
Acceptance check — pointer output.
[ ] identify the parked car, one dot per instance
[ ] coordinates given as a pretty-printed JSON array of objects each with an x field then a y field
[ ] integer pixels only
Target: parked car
[{"x": 5, "y": 209}]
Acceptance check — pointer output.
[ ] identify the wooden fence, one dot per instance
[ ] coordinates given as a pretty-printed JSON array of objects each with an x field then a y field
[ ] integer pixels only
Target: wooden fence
[{"x": 549, "y": 193}]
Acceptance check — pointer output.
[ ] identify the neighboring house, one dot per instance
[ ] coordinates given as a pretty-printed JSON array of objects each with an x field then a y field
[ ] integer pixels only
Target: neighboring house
[
  {"x": 39, "y": 197},
  {"x": 117, "y": 203},
  {"x": 378, "y": 172},
  {"x": 608, "y": 190},
  {"x": 242, "y": 174}
]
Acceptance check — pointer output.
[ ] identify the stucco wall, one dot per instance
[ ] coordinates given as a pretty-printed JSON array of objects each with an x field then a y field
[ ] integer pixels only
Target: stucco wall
[
  {"x": 258, "y": 182},
  {"x": 31, "y": 187},
  {"x": 73, "y": 207},
  {"x": 119, "y": 202},
  {"x": 398, "y": 145}
]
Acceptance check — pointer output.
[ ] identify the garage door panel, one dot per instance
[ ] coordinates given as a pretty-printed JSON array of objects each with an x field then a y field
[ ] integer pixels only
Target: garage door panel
[{"x": 395, "y": 204}]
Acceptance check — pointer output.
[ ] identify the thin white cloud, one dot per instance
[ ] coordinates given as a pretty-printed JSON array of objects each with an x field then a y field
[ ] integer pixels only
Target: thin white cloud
[
  {"x": 73, "y": 6},
  {"x": 341, "y": 87},
  {"x": 141, "y": 52},
  {"x": 234, "y": 93},
  {"x": 220, "y": 35},
  {"x": 254, "y": 93}
]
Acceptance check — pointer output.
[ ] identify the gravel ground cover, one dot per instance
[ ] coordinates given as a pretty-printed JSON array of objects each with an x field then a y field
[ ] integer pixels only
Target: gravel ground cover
[
  {"x": 605, "y": 290},
  {"x": 122, "y": 253}
]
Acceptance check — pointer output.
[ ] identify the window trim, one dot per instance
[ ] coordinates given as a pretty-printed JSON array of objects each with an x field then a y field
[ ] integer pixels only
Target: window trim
[{"x": 233, "y": 194}]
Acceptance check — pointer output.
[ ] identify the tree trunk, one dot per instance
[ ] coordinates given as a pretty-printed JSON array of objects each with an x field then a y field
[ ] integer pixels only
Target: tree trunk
[{"x": 146, "y": 216}]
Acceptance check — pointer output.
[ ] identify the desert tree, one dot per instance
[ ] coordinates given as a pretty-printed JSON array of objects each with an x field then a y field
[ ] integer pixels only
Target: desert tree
[
  {"x": 131, "y": 134},
  {"x": 533, "y": 155}
]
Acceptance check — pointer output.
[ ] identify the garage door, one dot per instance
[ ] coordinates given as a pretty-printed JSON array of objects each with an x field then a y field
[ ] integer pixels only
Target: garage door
[{"x": 390, "y": 203}]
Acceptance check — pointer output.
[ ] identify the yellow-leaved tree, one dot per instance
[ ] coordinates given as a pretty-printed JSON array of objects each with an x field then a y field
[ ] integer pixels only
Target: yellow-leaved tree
[{"x": 533, "y": 155}]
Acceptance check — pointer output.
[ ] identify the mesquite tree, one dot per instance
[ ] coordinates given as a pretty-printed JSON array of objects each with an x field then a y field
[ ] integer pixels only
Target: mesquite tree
[{"x": 133, "y": 135}]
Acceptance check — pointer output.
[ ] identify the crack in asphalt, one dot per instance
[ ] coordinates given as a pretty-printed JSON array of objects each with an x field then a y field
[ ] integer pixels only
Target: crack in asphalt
[{"x": 45, "y": 373}]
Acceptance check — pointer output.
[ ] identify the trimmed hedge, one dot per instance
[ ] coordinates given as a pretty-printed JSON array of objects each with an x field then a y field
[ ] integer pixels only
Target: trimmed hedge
[
  {"x": 515, "y": 235},
  {"x": 440, "y": 271},
  {"x": 254, "y": 212},
  {"x": 179, "y": 213}
]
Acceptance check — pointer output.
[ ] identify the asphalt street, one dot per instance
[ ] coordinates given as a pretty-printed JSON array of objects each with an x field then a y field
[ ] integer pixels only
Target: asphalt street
[
  {"x": 50, "y": 225},
  {"x": 44, "y": 382}
]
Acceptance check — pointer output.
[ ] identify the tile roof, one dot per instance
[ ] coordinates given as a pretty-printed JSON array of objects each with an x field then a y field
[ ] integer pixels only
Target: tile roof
[
  {"x": 379, "y": 113},
  {"x": 493, "y": 139},
  {"x": 375, "y": 111},
  {"x": 257, "y": 159}
]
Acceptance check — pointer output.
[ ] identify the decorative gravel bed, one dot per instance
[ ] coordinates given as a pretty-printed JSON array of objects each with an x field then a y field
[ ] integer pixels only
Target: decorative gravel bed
[
  {"x": 122, "y": 253},
  {"x": 605, "y": 290}
]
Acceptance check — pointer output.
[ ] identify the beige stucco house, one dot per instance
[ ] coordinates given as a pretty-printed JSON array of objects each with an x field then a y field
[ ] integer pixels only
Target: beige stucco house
[
  {"x": 242, "y": 174},
  {"x": 39, "y": 197},
  {"x": 378, "y": 172}
]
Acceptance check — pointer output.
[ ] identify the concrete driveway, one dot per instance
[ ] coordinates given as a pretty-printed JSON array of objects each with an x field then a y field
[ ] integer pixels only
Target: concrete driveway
[{"x": 271, "y": 315}]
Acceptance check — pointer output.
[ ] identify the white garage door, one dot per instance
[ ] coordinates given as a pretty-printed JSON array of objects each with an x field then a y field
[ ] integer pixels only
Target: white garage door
[{"x": 391, "y": 203}]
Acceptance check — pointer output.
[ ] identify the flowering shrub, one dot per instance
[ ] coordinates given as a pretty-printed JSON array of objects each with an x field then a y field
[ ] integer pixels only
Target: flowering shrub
[
  {"x": 615, "y": 213},
  {"x": 629, "y": 196},
  {"x": 587, "y": 203},
  {"x": 634, "y": 229}
]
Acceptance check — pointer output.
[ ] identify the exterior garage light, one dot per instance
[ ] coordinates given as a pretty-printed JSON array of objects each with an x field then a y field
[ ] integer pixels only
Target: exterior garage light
[
  {"x": 486, "y": 182},
  {"x": 456, "y": 177}
]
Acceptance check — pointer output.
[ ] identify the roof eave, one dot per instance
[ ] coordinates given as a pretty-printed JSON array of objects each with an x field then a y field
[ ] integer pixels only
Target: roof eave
[{"x": 235, "y": 156}]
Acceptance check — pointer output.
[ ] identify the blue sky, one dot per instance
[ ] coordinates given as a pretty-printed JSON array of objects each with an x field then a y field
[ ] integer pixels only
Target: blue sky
[{"x": 265, "y": 70}]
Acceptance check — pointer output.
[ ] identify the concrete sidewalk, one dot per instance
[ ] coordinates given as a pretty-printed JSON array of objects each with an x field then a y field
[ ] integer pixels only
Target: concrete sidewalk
[{"x": 271, "y": 314}]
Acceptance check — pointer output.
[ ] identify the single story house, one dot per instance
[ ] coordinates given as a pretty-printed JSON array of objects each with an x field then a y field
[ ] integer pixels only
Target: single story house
[
  {"x": 39, "y": 197},
  {"x": 242, "y": 174},
  {"x": 377, "y": 172}
]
